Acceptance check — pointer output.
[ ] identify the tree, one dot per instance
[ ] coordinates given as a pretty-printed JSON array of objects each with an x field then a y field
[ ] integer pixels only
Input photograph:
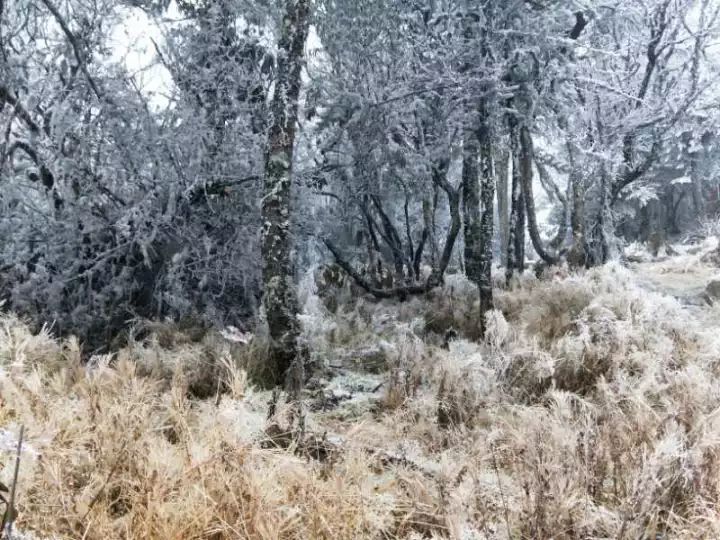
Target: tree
[
  {"x": 478, "y": 170},
  {"x": 656, "y": 81},
  {"x": 118, "y": 206},
  {"x": 279, "y": 294},
  {"x": 487, "y": 196},
  {"x": 116, "y": 209},
  {"x": 387, "y": 148}
]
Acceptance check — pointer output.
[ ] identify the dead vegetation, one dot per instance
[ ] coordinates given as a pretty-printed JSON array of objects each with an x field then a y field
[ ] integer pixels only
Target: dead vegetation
[{"x": 590, "y": 411}]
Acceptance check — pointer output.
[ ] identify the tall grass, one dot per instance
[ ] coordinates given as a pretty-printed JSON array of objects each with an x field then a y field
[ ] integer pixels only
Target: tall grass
[{"x": 590, "y": 411}]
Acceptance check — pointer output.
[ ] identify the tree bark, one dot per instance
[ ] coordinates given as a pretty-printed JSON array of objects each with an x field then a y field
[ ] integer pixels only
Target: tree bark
[
  {"x": 478, "y": 211},
  {"x": 526, "y": 175},
  {"x": 502, "y": 170},
  {"x": 279, "y": 295},
  {"x": 516, "y": 236},
  {"x": 439, "y": 176},
  {"x": 471, "y": 206},
  {"x": 577, "y": 255},
  {"x": 487, "y": 195},
  {"x": 697, "y": 187},
  {"x": 605, "y": 215},
  {"x": 429, "y": 224}
]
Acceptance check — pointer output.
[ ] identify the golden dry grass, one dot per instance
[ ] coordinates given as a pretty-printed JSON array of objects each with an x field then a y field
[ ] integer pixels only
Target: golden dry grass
[{"x": 590, "y": 411}]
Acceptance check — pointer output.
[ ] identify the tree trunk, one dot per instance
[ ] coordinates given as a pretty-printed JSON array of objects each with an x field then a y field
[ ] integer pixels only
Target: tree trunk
[
  {"x": 279, "y": 295},
  {"x": 605, "y": 216},
  {"x": 471, "y": 206},
  {"x": 697, "y": 187},
  {"x": 502, "y": 201},
  {"x": 577, "y": 256},
  {"x": 487, "y": 194},
  {"x": 440, "y": 179},
  {"x": 516, "y": 236},
  {"x": 428, "y": 207},
  {"x": 671, "y": 209},
  {"x": 655, "y": 226},
  {"x": 526, "y": 175}
]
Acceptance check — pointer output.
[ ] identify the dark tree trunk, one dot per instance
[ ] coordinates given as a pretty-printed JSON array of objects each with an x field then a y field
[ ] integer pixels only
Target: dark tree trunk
[
  {"x": 516, "y": 236},
  {"x": 440, "y": 180},
  {"x": 487, "y": 195},
  {"x": 526, "y": 175},
  {"x": 577, "y": 256},
  {"x": 654, "y": 217},
  {"x": 471, "y": 206},
  {"x": 672, "y": 203},
  {"x": 428, "y": 207},
  {"x": 605, "y": 215},
  {"x": 697, "y": 187},
  {"x": 502, "y": 204},
  {"x": 279, "y": 295},
  {"x": 478, "y": 185},
  {"x": 392, "y": 238},
  {"x": 605, "y": 225}
]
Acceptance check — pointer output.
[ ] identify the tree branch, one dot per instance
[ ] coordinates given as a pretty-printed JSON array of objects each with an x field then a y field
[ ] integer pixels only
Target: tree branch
[
  {"x": 7, "y": 97},
  {"x": 633, "y": 174},
  {"x": 395, "y": 292},
  {"x": 580, "y": 23},
  {"x": 198, "y": 193},
  {"x": 74, "y": 44}
]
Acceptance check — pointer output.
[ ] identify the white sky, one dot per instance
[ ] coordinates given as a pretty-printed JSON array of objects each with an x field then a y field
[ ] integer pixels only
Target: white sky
[{"x": 132, "y": 45}]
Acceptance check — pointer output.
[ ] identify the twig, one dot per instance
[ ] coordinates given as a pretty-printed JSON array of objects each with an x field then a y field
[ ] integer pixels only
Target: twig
[
  {"x": 502, "y": 492},
  {"x": 9, "y": 516},
  {"x": 105, "y": 483},
  {"x": 74, "y": 44}
]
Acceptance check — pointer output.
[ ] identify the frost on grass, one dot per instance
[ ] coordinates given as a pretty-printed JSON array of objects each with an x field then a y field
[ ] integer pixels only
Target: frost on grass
[{"x": 590, "y": 411}]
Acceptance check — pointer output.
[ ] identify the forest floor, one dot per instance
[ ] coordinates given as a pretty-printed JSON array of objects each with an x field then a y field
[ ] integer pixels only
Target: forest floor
[{"x": 590, "y": 410}]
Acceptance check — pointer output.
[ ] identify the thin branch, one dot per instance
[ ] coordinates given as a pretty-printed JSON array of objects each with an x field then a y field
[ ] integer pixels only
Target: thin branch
[
  {"x": 113, "y": 469},
  {"x": 9, "y": 516},
  {"x": 198, "y": 193},
  {"x": 633, "y": 174},
  {"x": 74, "y": 44}
]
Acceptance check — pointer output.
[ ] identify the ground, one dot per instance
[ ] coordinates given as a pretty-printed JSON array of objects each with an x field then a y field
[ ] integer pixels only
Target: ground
[{"x": 589, "y": 411}]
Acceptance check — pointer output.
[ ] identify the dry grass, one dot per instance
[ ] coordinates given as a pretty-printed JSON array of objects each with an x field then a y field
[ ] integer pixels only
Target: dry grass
[{"x": 590, "y": 411}]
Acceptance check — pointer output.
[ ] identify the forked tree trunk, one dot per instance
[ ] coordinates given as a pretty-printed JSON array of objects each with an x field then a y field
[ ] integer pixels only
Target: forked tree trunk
[
  {"x": 526, "y": 174},
  {"x": 279, "y": 294},
  {"x": 439, "y": 178}
]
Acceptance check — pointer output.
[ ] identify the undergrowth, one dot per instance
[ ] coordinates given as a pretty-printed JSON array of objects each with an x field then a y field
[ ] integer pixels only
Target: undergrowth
[{"x": 588, "y": 411}]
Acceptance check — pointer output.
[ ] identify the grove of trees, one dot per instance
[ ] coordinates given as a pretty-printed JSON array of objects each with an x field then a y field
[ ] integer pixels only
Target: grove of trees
[{"x": 401, "y": 141}]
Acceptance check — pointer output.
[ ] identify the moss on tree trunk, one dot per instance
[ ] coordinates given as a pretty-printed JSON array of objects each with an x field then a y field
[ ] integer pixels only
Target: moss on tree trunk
[{"x": 279, "y": 295}]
